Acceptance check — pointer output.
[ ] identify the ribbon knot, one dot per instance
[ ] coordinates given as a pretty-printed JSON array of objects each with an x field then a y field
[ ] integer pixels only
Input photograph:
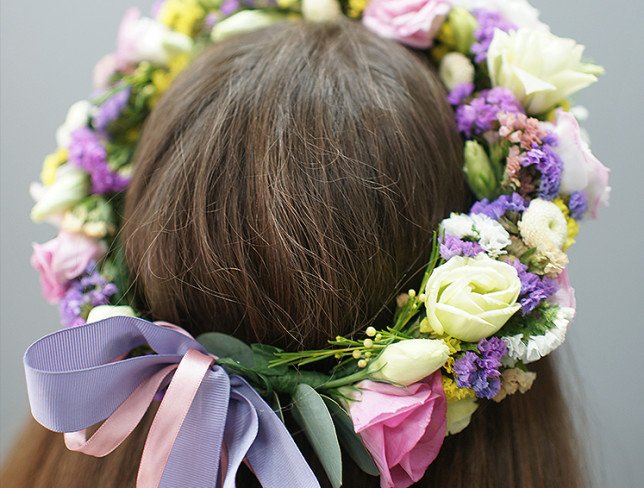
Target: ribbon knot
[{"x": 208, "y": 422}]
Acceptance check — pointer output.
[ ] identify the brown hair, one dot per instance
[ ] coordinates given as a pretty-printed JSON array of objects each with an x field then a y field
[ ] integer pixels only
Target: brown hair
[{"x": 286, "y": 187}]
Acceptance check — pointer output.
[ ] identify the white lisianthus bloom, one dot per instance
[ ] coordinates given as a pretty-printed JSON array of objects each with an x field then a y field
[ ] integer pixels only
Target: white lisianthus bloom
[
  {"x": 493, "y": 238},
  {"x": 519, "y": 12},
  {"x": 543, "y": 225},
  {"x": 459, "y": 225},
  {"x": 70, "y": 187},
  {"x": 77, "y": 117},
  {"x": 491, "y": 235},
  {"x": 409, "y": 361},
  {"x": 456, "y": 69},
  {"x": 582, "y": 171},
  {"x": 101, "y": 312},
  {"x": 321, "y": 10},
  {"x": 540, "y": 68},
  {"x": 471, "y": 298},
  {"x": 541, "y": 345},
  {"x": 145, "y": 39},
  {"x": 244, "y": 21},
  {"x": 459, "y": 414}
]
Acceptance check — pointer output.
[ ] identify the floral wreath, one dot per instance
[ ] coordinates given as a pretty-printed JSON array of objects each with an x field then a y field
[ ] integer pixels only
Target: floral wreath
[{"x": 495, "y": 296}]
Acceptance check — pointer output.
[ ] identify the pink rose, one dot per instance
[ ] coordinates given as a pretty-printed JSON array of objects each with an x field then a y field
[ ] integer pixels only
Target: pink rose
[
  {"x": 62, "y": 259},
  {"x": 582, "y": 171},
  {"x": 403, "y": 428},
  {"x": 412, "y": 22}
]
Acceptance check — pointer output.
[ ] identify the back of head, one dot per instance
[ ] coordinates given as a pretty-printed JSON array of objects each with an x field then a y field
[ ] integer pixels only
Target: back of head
[{"x": 288, "y": 181}]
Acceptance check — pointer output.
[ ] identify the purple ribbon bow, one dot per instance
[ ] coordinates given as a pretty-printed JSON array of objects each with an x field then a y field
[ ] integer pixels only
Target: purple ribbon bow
[{"x": 207, "y": 424}]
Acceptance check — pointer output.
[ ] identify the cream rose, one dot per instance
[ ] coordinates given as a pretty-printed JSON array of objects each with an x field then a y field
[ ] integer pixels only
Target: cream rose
[
  {"x": 540, "y": 68},
  {"x": 471, "y": 298}
]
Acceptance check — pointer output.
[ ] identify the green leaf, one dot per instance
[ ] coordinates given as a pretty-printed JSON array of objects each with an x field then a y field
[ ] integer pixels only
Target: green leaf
[
  {"x": 263, "y": 354},
  {"x": 225, "y": 346},
  {"x": 349, "y": 439},
  {"x": 312, "y": 414}
]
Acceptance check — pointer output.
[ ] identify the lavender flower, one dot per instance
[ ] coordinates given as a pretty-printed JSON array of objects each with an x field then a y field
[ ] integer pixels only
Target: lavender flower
[
  {"x": 451, "y": 246},
  {"x": 111, "y": 109},
  {"x": 488, "y": 22},
  {"x": 534, "y": 288},
  {"x": 85, "y": 292},
  {"x": 88, "y": 153},
  {"x": 229, "y": 6},
  {"x": 480, "y": 114},
  {"x": 578, "y": 204},
  {"x": 549, "y": 165},
  {"x": 459, "y": 93},
  {"x": 498, "y": 208},
  {"x": 481, "y": 372}
]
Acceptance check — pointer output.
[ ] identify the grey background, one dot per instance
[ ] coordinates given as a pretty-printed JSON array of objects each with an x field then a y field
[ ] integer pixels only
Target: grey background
[{"x": 48, "y": 51}]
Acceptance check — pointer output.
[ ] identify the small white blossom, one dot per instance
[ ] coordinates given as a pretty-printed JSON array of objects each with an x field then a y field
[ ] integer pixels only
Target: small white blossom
[
  {"x": 456, "y": 69},
  {"x": 459, "y": 225},
  {"x": 493, "y": 238},
  {"x": 77, "y": 117}
]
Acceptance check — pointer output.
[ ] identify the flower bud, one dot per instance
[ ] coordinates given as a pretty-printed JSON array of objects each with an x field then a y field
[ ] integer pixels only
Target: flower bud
[
  {"x": 463, "y": 25},
  {"x": 409, "y": 361},
  {"x": 106, "y": 311},
  {"x": 459, "y": 414},
  {"x": 479, "y": 172},
  {"x": 456, "y": 69},
  {"x": 244, "y": 21},
  {"x": 70, "y": 186},
  {"x": 321, "y": 10}
]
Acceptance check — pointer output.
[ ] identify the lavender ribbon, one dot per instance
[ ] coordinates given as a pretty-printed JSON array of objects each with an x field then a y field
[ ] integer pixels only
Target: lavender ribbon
[{"x": 74, "y": 382}]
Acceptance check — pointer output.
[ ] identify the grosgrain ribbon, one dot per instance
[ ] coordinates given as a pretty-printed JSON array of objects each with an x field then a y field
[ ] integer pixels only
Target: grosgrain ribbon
[{"x": 208, "y": 423}]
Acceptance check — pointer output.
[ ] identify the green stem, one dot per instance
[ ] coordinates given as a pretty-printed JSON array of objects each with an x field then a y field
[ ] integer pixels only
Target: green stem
[{"x": 347, "y": 380}]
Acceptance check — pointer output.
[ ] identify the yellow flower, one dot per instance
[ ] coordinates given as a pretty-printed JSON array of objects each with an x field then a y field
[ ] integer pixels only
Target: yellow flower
[
  {"x": 286, "y": 4},
  {"x": 572, "y": 226},
  {"x": 356, "y": 7},
  {"x": 184, "y": 16},
  {"x": 162, "y": 78},
  {"x": 453, "y": 392},
  {"x": 51, "y": 164}
]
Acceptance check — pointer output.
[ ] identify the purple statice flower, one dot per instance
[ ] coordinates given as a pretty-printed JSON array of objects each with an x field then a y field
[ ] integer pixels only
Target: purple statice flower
[
  {"x": 488, "y": 22},
  {"x": 481, "y": 372},
  {"x": 534, "y": 288},
  {"x": 85, "y": 292},
  {"x": 549, "y": 165},
  {"x": 111, "y": 109},
  {"x": 498, "y": 208},
  {"x": 480, "y": 114},
  {"x": 578, "y": 204},
  {"x": 451, "y": 246},
  {"x": 459, "y": 93},
  {"x": 229, "y": 6},
  {"x": 87, "y": 151}
]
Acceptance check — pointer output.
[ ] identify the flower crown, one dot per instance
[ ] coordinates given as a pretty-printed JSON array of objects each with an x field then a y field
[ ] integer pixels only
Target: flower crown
[{"x": 495, "y": 295}]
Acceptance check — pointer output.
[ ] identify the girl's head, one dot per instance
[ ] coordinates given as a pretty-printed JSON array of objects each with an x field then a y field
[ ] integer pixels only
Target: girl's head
[{"x": 288, "y": 182}]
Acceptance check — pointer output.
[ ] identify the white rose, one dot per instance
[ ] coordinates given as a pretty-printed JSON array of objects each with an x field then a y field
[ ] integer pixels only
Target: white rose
[
  {"x": 519, "y": 12},
  {"x": 471, "y": 298},
  {"x": 582, "y": 171},
  {"x": 101, "y": 312},
  {"x": 456, "y": 69},
  {"x": 409, "y": 361},
  {"x": 459, "y": 414},
  {"x": 70, "y": 187},
  {"x": 543, "y": 225},
  {"x": 77, "y": 117},
  {"x": 321, "y": 10},
  {"x": 145, "y": 39},
  {"x": 540, "y": 68}
]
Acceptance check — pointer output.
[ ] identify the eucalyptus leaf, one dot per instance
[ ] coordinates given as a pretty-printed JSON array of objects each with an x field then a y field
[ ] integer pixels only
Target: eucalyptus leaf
[
  {"x": 225, "y": 346},
  {"x": 312, "y": 414},
  {"x": 349, "y": 440}
]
